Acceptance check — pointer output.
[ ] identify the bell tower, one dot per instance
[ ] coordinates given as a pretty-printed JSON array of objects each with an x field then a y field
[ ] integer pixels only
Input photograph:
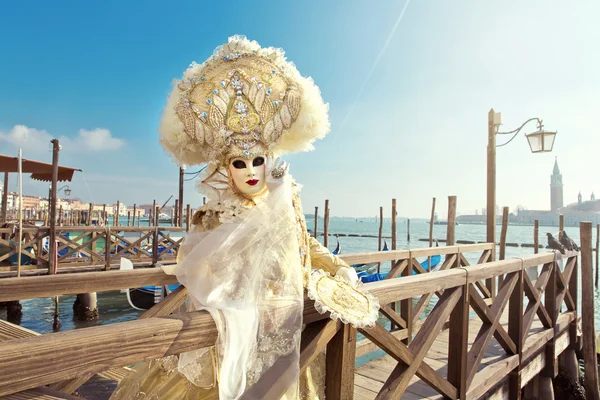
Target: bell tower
[{"x": 556, "y": 188}]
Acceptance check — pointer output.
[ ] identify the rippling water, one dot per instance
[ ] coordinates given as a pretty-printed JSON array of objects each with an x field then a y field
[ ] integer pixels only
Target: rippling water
[{"x": 113, "y": 307}]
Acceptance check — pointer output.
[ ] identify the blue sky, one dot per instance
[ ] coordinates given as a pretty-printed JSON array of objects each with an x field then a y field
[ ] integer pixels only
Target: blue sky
[{"x": 97, "y": 76}]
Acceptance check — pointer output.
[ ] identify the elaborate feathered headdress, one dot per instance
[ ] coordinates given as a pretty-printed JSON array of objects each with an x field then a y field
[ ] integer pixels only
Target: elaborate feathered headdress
[{"x": 244, "y": 100}]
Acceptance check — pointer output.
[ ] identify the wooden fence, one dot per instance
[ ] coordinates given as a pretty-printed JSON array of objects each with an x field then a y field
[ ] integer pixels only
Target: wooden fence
[
  {"x": 450, "y": 294},
  {"x": 84, "y": 248}
]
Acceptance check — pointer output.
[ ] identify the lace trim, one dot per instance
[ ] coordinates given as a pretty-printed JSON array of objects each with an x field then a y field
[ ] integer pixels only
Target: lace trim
[{"x": 341, "y": 302}]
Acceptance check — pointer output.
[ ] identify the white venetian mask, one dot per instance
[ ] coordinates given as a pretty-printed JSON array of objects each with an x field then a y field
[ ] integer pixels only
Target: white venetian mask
[{"x": 248, "y": 175}]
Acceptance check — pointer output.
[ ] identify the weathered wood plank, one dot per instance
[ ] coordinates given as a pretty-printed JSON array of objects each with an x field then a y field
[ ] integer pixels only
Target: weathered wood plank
[
  {"x": 491, "y": 376},
  {"x": 487, "y": 330},
  {"x": 340, "y": 355},
  {"x": 315, "y": 338},
  {"x": 52, "y": 285},
  {"x": 40, "y": 393},
  {"x": 398, "y": 381},
  {"x": 102, "y": 347},
  {"x": 590, "y": 359},
  {"x": 485, "y": 314},
  {"x": 388, "y": 291},
  {"x": 458, "y": 340}
]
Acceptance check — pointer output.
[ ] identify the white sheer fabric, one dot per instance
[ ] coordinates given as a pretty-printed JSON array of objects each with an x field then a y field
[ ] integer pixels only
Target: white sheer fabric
[{"x": 247, "y": 274}]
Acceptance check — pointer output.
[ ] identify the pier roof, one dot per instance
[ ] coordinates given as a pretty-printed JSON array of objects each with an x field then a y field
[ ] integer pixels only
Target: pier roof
[{"x": 40, "y": 171}]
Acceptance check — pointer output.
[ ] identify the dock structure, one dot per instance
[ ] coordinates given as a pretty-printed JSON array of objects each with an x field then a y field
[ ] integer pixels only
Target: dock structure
[
  {"x": 83, "y": 248},
  {"x": 453, "y": 338}
]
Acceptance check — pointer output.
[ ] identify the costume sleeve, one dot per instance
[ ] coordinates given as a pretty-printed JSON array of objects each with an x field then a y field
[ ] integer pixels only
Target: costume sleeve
[
  {"x": 321, "y": 258},
  {"x": 187, "y": 244}
]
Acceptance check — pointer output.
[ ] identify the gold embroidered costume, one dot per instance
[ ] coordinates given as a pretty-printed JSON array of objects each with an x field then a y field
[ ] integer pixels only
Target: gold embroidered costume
[{"x": 248, "y": 258}]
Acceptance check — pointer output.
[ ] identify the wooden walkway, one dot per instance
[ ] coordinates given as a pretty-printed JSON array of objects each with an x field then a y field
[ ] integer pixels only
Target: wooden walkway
[
  {"x": 519, "y": 328},
  {"x": 370, "y": 378}
]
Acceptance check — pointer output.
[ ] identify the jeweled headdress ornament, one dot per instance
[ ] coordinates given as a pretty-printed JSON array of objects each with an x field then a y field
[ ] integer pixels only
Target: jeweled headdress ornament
[{"x": 243, "y": 101}]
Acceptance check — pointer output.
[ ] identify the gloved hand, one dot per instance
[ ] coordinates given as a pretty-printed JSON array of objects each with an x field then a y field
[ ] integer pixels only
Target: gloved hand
[
  {"x": 275, "y": 171},
  {"x": 349, "y": 274}
]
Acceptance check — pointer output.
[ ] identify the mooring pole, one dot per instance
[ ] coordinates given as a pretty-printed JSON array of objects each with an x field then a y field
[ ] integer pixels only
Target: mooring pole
[{"x": 52, "y": 217}]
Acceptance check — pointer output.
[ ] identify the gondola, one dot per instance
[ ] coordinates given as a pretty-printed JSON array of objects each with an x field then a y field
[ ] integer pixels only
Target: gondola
[
  {"x": 143, "y": 298},
  {"x": 338, "y": 249}
]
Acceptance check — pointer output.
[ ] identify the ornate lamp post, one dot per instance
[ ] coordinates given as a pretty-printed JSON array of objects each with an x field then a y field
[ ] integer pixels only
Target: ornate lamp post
[{"x": 540, "y": 141}]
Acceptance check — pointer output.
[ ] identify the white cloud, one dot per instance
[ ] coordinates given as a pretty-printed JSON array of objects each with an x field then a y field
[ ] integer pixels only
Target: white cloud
[
  {"x": 37, "y": 141},
  {"x": 30, "y": 139},
  {"x": 97, "y": 140}
]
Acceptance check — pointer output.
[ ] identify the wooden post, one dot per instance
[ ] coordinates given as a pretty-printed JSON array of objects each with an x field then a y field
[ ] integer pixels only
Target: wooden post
[
  {"x": 396, "y": 305},
  {"x": 536, "y": 236},
  {"x": 128, "y": 218},
  {"x": 340, "y": 356},
  {"x": 561, "y": 225},
  {"x": 152, "y": 216},
  {"x": 408, "y": 230},
  {"x": 134, "y": 214},
  {"x": 188, "y": 218},
  {"x": 175, "y": 214},
  {"x": 116, "y": 214},
  {"x": 380, "y": 236},
  {"x": 503, "y": 233},
  {"x": 450, "y": 231},
  {"x": 60, "y": 216},
  {"x": 431, "y": 221},
  {"x": 551, "y": 368},
  {"x": 180, "y": 202},
  {"x": 597, "y": 252},
  {"x": 491, "y": 183},
  {"x": 326, "y": 225},
  {"x": 5, "y": 199},
  {"x": 590, "y": 361},
  {"x": 155, "y": 245},
  {"x": 156, "y": 216},
  {"x": 316, "y": 222},
  {"x": 393, "y": 224},
  {"x": 515, "y": 327},
  {"x": 89, "y": 216},
  {"x": 107, "y": 247},
  {"x": 573, "y": 290},
  {"x": 52, "y": 242},
  {"x": 458, "y": 342}
]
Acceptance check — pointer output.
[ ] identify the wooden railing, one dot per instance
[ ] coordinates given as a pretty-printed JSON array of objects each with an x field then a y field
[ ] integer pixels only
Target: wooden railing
[
  {"x": 85, "y": 248},
  {"x": 406, "y": 316},
  {"x": 536, "y": 332}
]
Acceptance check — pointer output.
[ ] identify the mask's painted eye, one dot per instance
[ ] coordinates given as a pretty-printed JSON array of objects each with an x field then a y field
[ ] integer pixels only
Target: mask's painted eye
[
  {"x": 258, "y": 161},
  {"x": 239, "y": 164}
]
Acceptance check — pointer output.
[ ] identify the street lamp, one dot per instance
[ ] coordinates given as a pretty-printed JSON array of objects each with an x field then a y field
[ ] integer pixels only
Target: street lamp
[
  {"x": 66, "y": 187},
  {"x": 540, "y": 141}
]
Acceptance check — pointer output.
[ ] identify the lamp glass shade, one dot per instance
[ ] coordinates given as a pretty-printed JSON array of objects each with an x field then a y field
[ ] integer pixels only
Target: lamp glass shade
[
  {"x": 549, "y": 140},
  {"x": 535, "y": 142},
  {"x": 68, "y": 191},
  {"x": 541, "y": 141}
]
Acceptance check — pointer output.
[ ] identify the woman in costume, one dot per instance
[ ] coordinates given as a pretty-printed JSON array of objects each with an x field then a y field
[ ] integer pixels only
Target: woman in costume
[{"x": 249, "y": 256}]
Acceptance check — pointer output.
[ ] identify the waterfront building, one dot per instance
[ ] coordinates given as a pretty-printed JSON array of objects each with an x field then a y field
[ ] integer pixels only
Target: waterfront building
[
  {"x": 556, "y": 188},
  {"x": 574, "y": 213}
]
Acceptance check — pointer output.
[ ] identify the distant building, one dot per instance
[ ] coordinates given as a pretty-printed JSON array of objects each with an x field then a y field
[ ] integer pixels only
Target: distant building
[
  {"x": 574, "y": 213},
  {"x": 556, "y": 188},
  {"x": 29, "y": 202}
]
